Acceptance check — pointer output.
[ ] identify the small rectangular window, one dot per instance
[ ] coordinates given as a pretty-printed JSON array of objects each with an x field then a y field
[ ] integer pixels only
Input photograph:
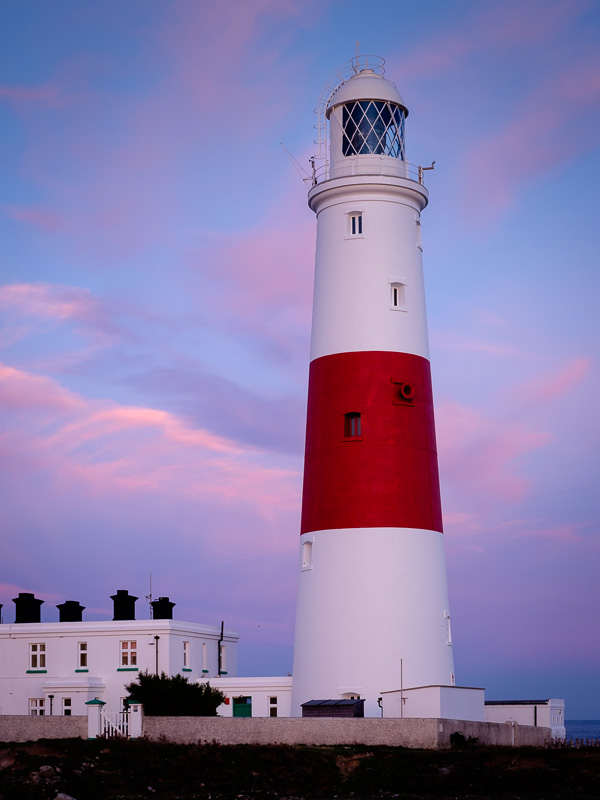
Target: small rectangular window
[
  {"x": 129, "y": 654},
  {"x": 83, "y": 655},
  {"x": 398, "y": 295},
  {"x": 66, "y": 706},
  {"x": 186, "y": 655},
  {"x": 36, "y": 706},
  {"x": 223, "y": 664},
  {"x": 37, "y": 656},
  {"x": 306, "y": 555},
  {"x": 356, "y": 224},
  {"x": 204, "y": 657},
  {"x": 352, "y": 425}
]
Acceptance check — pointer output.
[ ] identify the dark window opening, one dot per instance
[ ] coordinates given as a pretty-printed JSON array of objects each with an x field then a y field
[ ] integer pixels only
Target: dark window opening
[
  {"x": 352, "y": 424},
  {"x": 356, "y": 225},
  {"x": 373, "y": 126}
]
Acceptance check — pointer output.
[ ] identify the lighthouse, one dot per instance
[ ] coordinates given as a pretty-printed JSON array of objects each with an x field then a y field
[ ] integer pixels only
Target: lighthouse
[{"x": 372, "y": 609}]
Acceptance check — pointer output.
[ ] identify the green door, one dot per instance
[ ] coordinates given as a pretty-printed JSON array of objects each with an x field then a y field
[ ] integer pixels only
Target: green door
[{"x": 242, "y": 706}]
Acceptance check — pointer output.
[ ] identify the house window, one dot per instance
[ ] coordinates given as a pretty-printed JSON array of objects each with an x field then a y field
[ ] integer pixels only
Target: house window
[
  {"x": 129, "y": 654},
  {"x": 352, "y": 425},
  {"x": 204, "y": 657},
  {"x": 37, "y": 656},
  {"x": 36, "y": 707},
  {"x": 66, "y": 706},
  {"x": 186, "y": 655},
  {"x": 223, "y": 664},
  {"x": 82, "y": 660},
  {"x": 356, "y": 224},
  {"x": 272, "y": 706}
]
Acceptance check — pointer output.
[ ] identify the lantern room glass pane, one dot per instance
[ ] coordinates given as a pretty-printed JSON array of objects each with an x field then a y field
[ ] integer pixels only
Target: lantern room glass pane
[{"x": 373, "y": 127}]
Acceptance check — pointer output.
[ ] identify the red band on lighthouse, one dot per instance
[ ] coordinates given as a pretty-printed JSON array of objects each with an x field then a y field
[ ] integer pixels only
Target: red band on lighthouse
[{"x": 371, "y": 457}]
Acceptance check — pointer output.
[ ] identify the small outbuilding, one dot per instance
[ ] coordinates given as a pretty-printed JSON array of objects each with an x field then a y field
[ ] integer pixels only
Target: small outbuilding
[{"x": 334, "y": 708}]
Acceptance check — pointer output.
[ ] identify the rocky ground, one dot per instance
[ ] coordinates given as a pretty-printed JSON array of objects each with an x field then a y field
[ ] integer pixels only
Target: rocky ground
[{"x": 128, "y": 770}]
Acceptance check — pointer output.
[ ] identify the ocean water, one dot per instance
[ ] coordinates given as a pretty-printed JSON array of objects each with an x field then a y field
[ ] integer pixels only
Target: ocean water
[{"x": 583, "y": 728}]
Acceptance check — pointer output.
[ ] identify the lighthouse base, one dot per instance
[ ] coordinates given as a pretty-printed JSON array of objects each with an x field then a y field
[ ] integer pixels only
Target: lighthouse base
[{"x": 372, "y": 615}]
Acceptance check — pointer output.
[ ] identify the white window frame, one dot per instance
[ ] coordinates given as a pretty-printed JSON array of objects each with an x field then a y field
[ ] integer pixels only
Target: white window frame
[
  {"x": 37, "y": 706},
  {"x": 82, "y": 655},
  {"x": 186, "y": 655},
  {"x": 397, "y": 294},
  {"x": 355, "y": 222},
  {"x": 204, "y": 657},
  {"x": 67, "y": 707},
  {"x": 37, "y": 655},
  {"x": 128, "y": 653},
  {"x": 306, "y": 546}
]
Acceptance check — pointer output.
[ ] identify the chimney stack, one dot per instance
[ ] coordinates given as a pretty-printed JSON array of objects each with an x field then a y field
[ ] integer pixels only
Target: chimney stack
[
  {"x": 162, "y": 608},
  {"x": 124, "y": 605},
  {"x": 70, "y": 611},
  {"x": 27, "y": 608}
]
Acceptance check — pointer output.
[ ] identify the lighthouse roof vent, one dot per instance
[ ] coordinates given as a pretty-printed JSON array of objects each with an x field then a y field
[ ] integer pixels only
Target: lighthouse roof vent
[{"x": 366, "y": 85}]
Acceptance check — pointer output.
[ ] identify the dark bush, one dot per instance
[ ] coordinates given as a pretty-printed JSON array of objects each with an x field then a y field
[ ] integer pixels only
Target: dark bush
[{"x": 165, "y": 696}]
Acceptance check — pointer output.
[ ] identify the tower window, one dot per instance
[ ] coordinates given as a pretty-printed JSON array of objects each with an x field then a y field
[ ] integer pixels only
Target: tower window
[
  {"x": 352, "y": 425},
  {"x": 82, "y": 661},
  {"x": 397, "y": 295},
  {"x": 356, "y": 224}
]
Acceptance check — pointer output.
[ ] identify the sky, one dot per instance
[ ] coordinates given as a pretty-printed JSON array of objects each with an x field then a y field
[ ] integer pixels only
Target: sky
[{"x": 156, "y": 268}]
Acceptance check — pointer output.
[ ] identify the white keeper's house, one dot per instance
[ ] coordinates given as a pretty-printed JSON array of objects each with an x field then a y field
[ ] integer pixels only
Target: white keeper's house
[{"x": 56, "y": 667}]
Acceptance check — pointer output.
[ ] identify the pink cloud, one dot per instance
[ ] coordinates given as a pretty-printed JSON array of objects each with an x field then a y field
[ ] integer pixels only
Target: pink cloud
[
  {"x": 49, "y": 301},
  {"x": 48, "y": 95},
  {"x": 42, "y": 218},
  {"x": 472, "y": 345},
  {"x": 95, "y": 448},
  {"x": 21, "y": 390},
  {"x": 479, "y": 454},
  {"x": 545, "y": 388},
  {"x": 497, "y": 27}
]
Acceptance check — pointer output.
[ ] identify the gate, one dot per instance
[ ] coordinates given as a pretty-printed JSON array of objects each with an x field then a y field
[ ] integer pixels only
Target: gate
[{"x": 115, "y": 723}]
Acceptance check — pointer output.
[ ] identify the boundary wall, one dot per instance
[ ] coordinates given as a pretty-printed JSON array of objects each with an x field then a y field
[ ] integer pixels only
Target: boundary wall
[
  {"x": 429, "y": 734},
  {"x": 22, "y": 728}
]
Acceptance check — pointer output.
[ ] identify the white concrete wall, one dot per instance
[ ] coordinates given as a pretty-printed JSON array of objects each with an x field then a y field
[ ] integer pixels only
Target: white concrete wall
[
  {"x": 445, "y": 702},
  {"x": 103, "y": 677},
  {"x": 373, "y": 598},
  {"x": 261, "y": 690},
  {"x": 351, "y": 306},
  {"x": 548, "y": 713}
]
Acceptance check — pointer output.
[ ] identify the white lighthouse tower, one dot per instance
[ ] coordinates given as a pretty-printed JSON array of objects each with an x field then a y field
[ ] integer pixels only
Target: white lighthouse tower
[{"x": 372, "y": 612}]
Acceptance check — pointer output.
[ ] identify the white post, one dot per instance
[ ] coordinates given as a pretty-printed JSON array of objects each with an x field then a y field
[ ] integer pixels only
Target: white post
[
  {"x": 136, "y": 719},
  {"x": 95, "y": 727}
]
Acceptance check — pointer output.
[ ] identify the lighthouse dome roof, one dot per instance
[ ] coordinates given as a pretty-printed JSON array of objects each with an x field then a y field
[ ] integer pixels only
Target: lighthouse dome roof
[{"x": 365, "y": 85}]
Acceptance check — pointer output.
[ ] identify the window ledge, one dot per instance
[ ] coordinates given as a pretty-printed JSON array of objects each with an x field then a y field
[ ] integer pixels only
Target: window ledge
[
  {"x": 81, "y": 669},
  {"x": 186, "y": 669},
  {"x": 35, "y": 671},
  {"x": 205, "y": 672},
  {"x": 352, "y": 439},
  {"x": 127, "y": 669}
]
